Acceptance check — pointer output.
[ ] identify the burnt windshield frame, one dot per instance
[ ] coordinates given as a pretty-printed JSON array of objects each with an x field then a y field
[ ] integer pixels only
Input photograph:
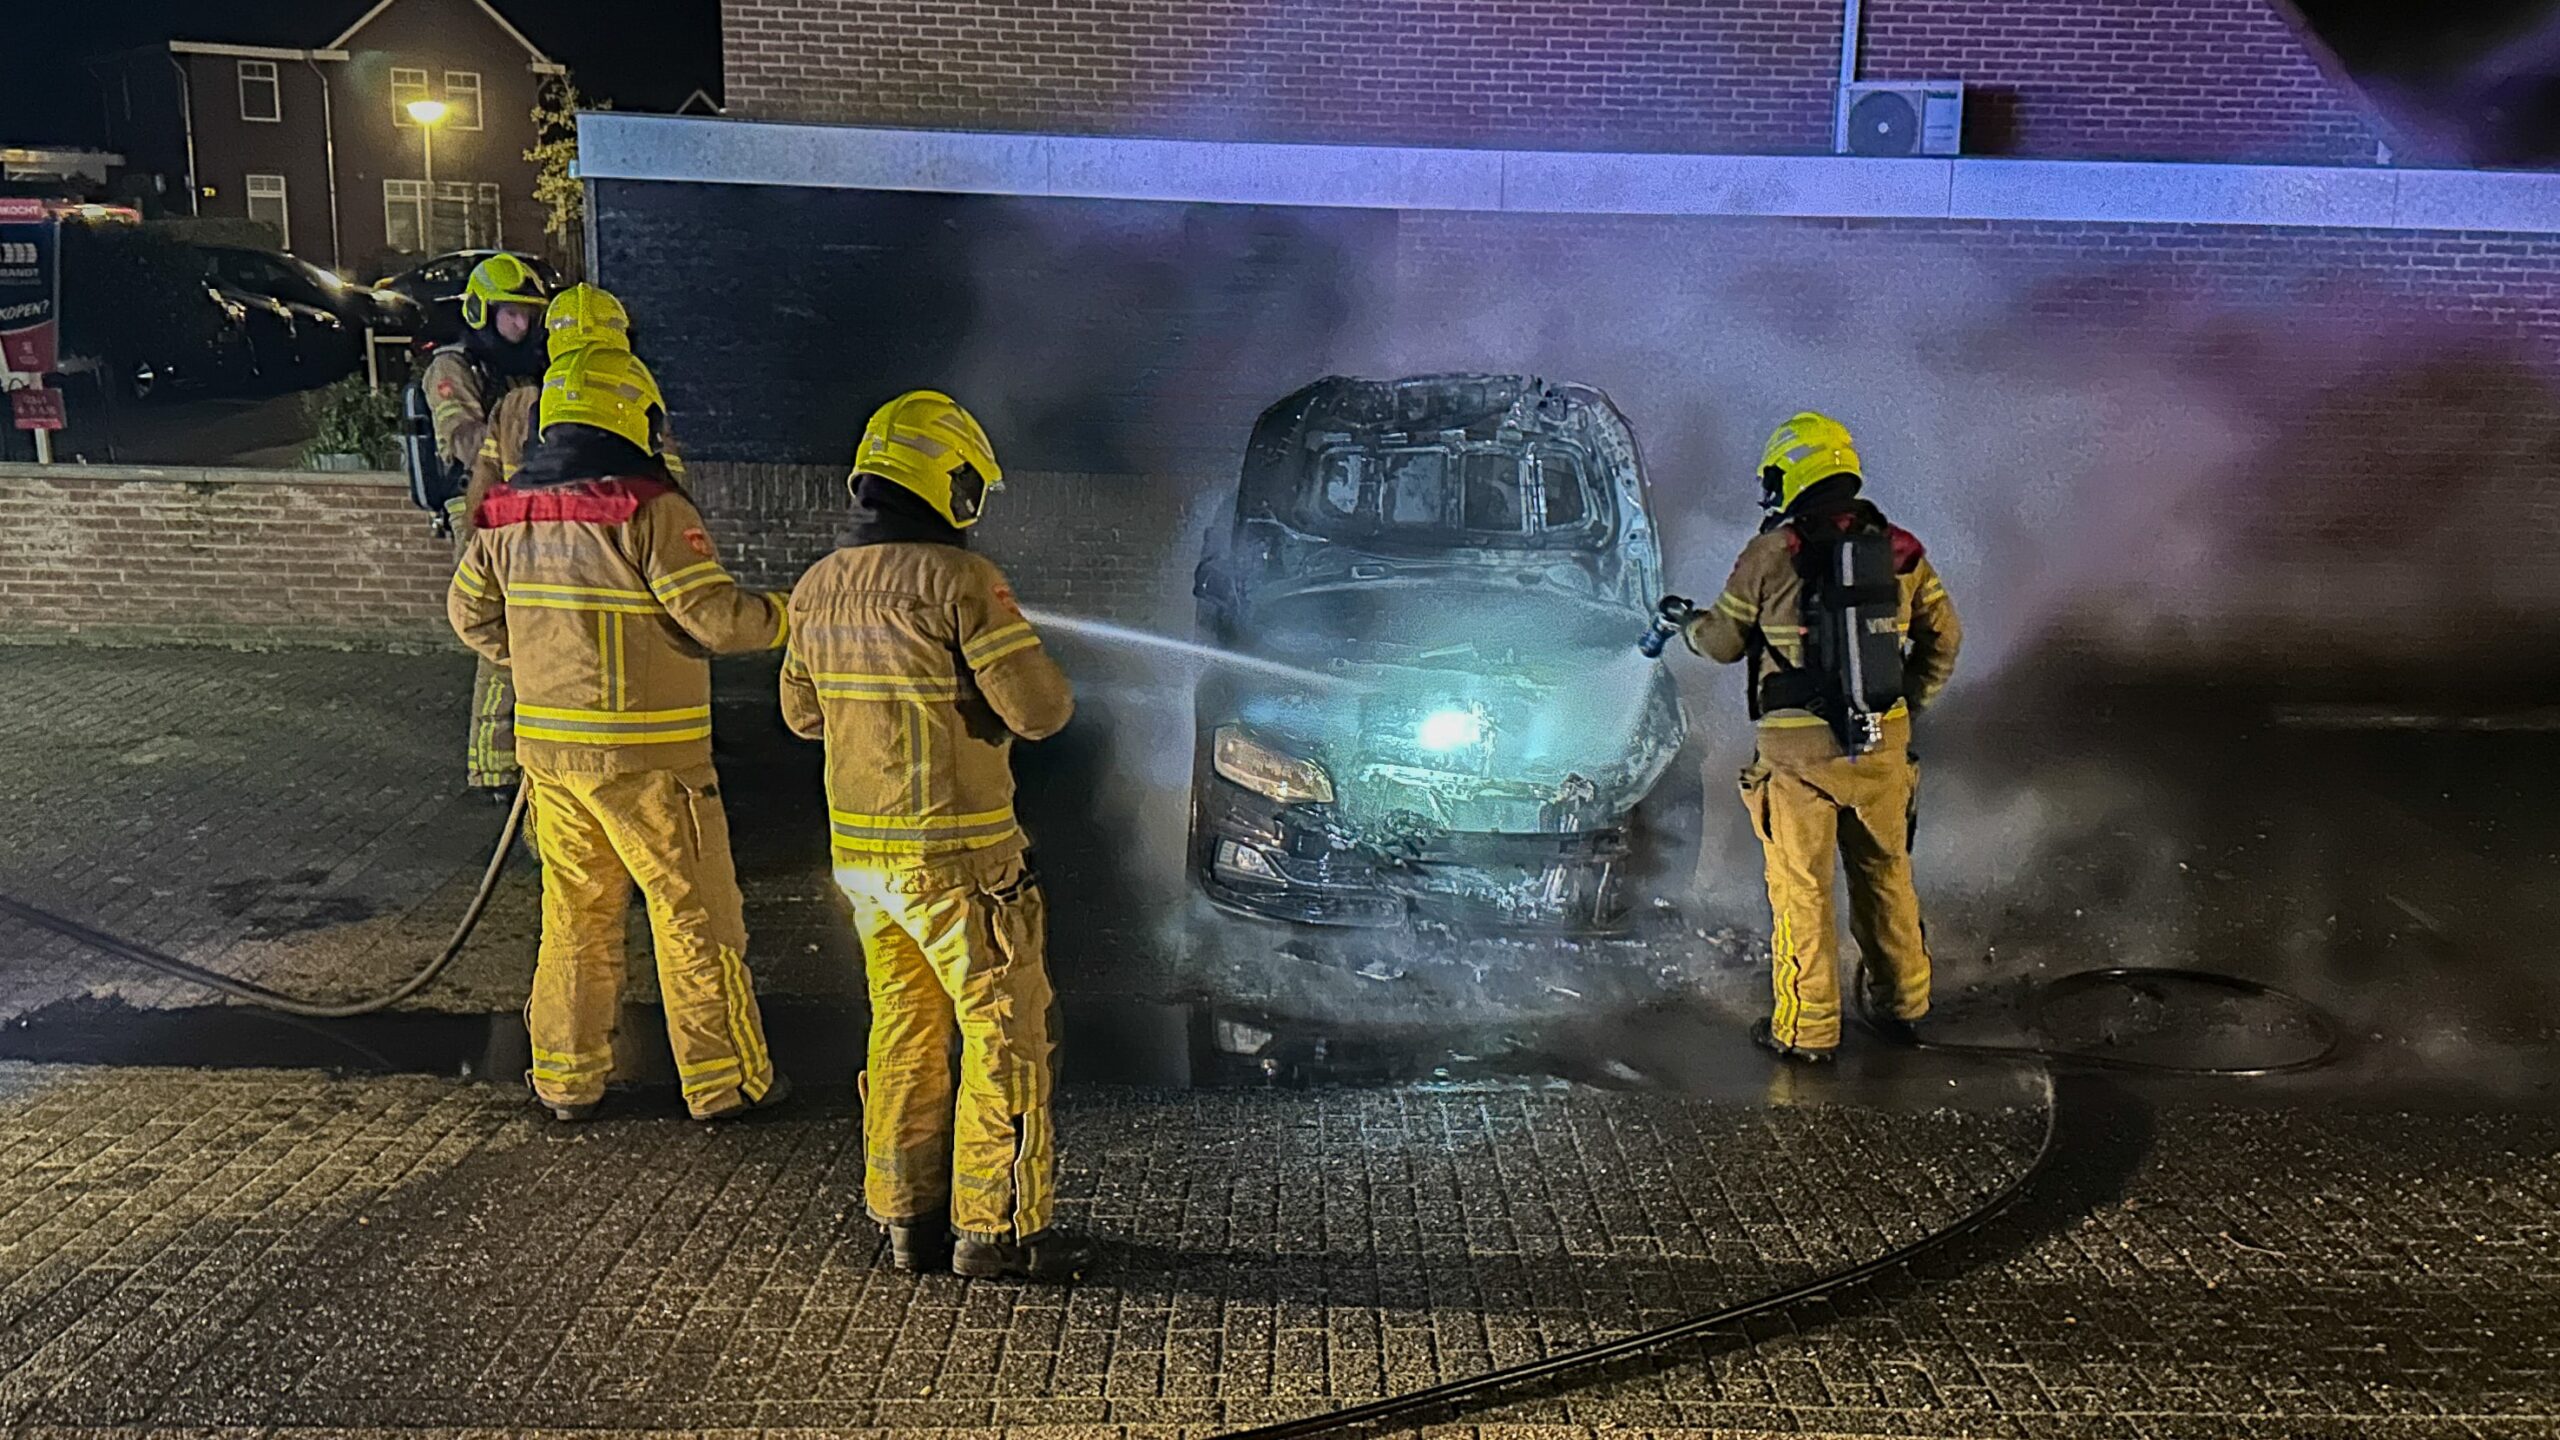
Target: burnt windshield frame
[{"x": 1356, "y": 492}]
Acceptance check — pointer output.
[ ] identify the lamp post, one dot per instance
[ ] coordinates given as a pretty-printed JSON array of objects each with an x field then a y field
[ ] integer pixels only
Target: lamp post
[{"x": 429, "y": 114}]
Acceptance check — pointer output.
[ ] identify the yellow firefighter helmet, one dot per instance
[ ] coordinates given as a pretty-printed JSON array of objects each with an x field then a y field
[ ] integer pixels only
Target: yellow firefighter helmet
[
  {"x": 502, "y": 279},
  {"x": 925, "y": 442},
  {"x": 585, "y": 315},
  {"x": 1804, "y": 452},
  {"x": 606, "y": 387}
]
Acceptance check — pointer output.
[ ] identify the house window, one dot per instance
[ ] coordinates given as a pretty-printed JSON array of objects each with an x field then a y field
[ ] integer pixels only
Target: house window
[
  {"x": 404, "y": 215},
  {"x": 449, "y": 223},
  {"x": 267, "y": 204},
  {"x": 406, "y": 85},
  {"x": 261, "y": 98},
  {"x": 464, "y": 216},
  {"x": 462, "y": 98}
]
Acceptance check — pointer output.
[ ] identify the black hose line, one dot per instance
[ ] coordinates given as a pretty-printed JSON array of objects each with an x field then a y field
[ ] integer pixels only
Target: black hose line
[
  {"x": 256, "y": 994},
  {"x": 1478, "y": 1387}
]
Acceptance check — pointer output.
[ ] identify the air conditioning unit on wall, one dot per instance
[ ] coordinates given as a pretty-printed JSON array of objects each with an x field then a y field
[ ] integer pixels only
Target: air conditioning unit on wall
[{"x": 1900, "y": 117}]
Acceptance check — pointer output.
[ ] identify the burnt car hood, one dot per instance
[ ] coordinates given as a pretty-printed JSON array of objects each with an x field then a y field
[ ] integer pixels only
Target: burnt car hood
[{"x": 1460, "y": 701}]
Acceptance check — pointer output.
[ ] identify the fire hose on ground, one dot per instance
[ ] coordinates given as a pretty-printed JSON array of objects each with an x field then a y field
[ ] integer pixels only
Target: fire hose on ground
[
  {"x": 1477, "y": 1388},
  {"x": 278, "y": 1000}
]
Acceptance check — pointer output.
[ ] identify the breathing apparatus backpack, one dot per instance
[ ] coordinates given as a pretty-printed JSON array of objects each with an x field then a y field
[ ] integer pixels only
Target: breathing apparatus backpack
[
  {"x": 434, "y": 483},
  {"x": 1852, "y": 615}
]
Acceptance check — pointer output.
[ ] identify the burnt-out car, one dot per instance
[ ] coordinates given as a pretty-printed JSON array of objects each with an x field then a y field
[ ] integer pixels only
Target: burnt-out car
[{"x": 1440, "y": 583}]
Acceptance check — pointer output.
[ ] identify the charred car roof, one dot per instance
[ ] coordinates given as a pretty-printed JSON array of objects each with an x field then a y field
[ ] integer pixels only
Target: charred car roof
[{"x": 1509, "y": 411}]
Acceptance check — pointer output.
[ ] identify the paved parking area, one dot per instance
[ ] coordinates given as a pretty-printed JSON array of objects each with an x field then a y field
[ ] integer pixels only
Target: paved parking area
[{"x": 285, "y": 1254}]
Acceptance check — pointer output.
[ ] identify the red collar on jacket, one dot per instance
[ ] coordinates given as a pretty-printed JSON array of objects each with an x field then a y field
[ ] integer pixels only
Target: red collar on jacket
[
  {"x": 1908, "y": 552},
  {"x": 589, "y": 502}
]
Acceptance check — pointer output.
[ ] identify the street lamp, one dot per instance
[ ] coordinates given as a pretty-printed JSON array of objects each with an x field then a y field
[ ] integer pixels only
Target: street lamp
[{"x": 429, "y": 114}]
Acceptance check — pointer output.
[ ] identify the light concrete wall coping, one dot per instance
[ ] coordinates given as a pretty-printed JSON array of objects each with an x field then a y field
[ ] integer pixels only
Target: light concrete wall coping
[
  {"x": 203, "y": 475},
  {"x": 723, "y": 151}
]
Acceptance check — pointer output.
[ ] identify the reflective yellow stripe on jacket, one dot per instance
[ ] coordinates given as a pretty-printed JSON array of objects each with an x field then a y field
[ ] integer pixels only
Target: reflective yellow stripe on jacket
[
  {"x": 986, "y": 649},
  {"x": 920, "y": 834},
  {"x": 541, "y": 596},
  {"x": 613, "y": 727},
  {"x": 689, "y": 579},
  {"x": 847, "y": 685}
]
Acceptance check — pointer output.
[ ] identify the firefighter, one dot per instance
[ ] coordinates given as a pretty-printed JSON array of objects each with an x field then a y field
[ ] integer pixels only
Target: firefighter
[
  {"x": 590, "y": 577},
  {"x": 1817, "y": 787},
  {"x": 912, "y": 662},
  {"x": 577, "y": 317},
  {"x": 500, "y": 353}
]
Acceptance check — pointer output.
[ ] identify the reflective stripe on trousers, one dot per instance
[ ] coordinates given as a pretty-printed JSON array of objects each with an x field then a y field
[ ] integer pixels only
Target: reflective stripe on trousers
[
  {"x": 956, "y": 946},
  {"x": 489, "y": 748},
  {"x": 1810, "y": 817},
  {"x": 666, "y": 830},
  {"x": 490, "y": 756}
]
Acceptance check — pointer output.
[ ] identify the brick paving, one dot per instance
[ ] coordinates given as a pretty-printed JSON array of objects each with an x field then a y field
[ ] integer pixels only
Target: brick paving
[
  {"x": 298, "y": 818},
  {"x": 276, "y": 1253}
]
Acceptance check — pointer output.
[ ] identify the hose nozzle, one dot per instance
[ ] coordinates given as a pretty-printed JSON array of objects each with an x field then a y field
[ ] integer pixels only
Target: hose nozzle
[{"x": 1671, "y": 616}]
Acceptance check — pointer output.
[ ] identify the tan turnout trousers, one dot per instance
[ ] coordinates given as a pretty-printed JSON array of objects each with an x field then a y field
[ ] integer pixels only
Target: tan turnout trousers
[
  {"x": 666, "y": 830},
  {"x": 1813, "y": 815},
  {"x": 955, "y": 945}
]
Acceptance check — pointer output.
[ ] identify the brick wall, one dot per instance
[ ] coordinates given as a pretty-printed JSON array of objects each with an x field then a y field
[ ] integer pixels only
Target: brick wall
[
  {"x": 2220, "y": 80},
  {"x": 2190, "y": 79},
  {"x": 1119, "y": 547},
  {"x": 107, "y": 555}
]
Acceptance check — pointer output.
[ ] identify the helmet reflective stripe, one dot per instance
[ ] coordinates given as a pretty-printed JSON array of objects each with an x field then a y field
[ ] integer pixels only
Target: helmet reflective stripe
[
  {"x": 584, "y": 315},
  {"x": 924, "y": 442},
  {"x": 607, "y": 388},
  {"x": 502, "y": 279},
  {"x": 1805, "y": 451}
]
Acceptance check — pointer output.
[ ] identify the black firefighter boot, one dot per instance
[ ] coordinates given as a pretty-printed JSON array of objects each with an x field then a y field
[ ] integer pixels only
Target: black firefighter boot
[
  {"x": 920, "y": 1248},
  {"x": 1051, "y": 1257},
  {"x": 1875, "y": 1011},
  {"x": 1761, "y": 1037}
]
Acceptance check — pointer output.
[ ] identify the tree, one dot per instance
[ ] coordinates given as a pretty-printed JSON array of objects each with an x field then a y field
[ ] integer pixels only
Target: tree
[{"x": 555, "y": 161}]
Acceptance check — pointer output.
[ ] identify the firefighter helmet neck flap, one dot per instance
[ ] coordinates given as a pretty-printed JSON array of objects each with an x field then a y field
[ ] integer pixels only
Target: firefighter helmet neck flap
[
  {"x": 1801, "y": 454},
  {"x": 501, "y": 280},
  {"x": 924, "y": 442}
]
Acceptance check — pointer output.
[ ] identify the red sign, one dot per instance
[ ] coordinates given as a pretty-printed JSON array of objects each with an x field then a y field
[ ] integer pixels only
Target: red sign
[{"x": 37, "y": 409}]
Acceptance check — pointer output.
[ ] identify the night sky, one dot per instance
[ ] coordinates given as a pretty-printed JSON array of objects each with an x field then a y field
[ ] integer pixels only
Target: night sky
[
  {"x": 641, "y": 56},
  {"x": 2479, "y": 79}
]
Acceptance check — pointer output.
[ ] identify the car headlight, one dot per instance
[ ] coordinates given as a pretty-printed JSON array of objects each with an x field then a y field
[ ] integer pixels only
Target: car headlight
[
  {"x": 1266, "y": 771},
  {"x": 1445, "y": 730}
]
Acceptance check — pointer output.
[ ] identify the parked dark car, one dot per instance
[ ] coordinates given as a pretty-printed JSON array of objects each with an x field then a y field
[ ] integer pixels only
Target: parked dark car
[
  {"x": 436, "y": 286},
  {"x": 297, "y": 281},
  {"x": 213, "y": 357},
  {"x": 1451, "y": 573},
  {"x": 309, "y": 328}
]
